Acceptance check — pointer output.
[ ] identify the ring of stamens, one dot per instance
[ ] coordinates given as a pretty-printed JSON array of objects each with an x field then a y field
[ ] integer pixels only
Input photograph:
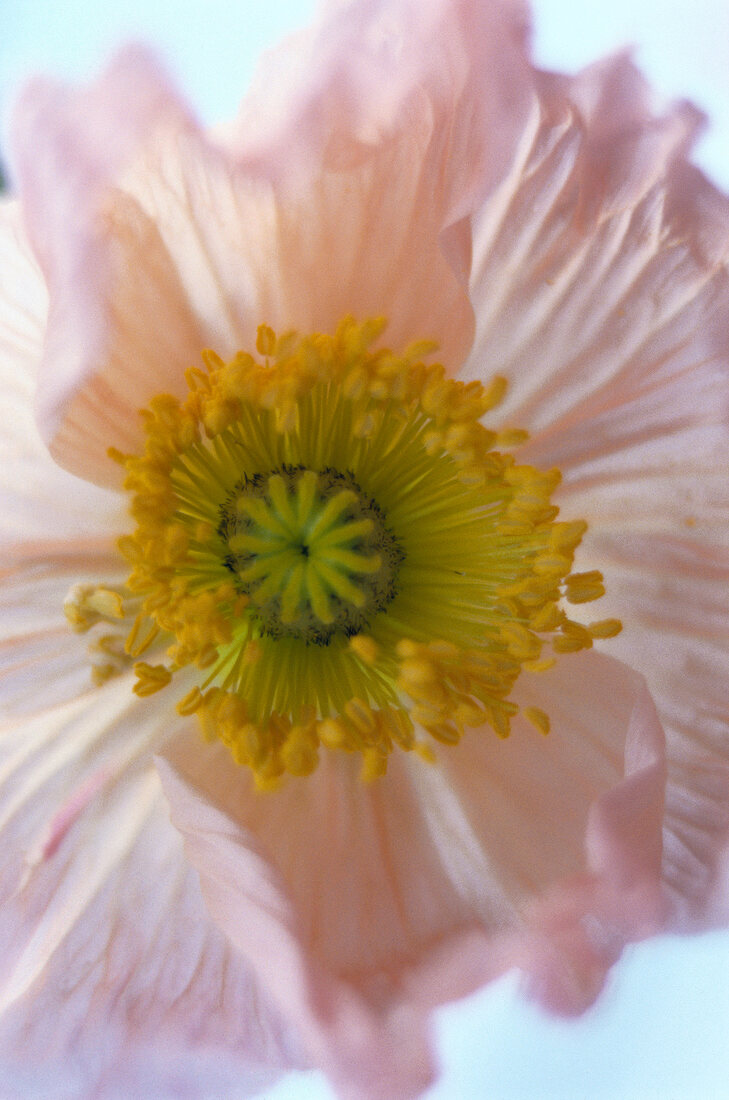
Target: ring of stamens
[{"x": 347, "y": 554}]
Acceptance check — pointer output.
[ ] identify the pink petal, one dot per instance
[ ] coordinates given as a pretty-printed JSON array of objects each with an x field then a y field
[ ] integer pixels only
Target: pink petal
[
  {"x": 670, "y": 589},
  {"x": 577, "y": 294},
  {"x": 112, "y": 972},
  {"x": 696, "y": 843},
  {"x": 39, "y": 502},
  {"x": 333, "y": 820},
  {"x": 609, "y": 319},
  {"x": 75, "y": 147},
  {"x": 56, "y": 530},
  {"x": 41, "y": 662},
  {"x": 360, "y": 907},
  {"x": 371, "y": 69},
  {"x": 175, "y": 244}
]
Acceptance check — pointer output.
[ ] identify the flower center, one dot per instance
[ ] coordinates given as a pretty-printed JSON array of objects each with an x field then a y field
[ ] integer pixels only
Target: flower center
[
  {"x": 343, "y": 555},
  {"x": 311, "y": 550}
]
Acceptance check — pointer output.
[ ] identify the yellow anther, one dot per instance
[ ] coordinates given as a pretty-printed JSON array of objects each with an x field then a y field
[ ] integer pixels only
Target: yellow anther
[
  {"x": 191, "y": 702},
  {"x": 374, "y": 765},
  {"x": 605, "y": 628},
  {"x": 548, "y": 617},
  {"x": 212, "y": 360},
  {"x": 511, "y": 437},
  {"x": 425, "y": 752},
  {"x": 417, "y": 674},
  {"x": 108, "y": 658},
  {"x": 552, "y": 564},
  {"x": 584, "y": 587},
  {"x": 117, "y": 456},
  {"x": 574, "y": 637},
  {"x": 300, "y": 754},
  {"x": 495, "y": 392},
  {"x": 150, "y": 678},
  {"x": 332, "y": 733},
  {"x": 521, "y": 642},
  {"x": 539, "y": 666},
  {"x": 365, "y": 647},
  {"x": 538, "y": 718},
  {"x": 265, "y": 341},
  {"x": 566, "y": 537},
  {"x": 87, "y": 604}
]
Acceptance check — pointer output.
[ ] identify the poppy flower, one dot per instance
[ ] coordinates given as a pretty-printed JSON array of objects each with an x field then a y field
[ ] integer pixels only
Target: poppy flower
[{"x": 430, "y": 356}]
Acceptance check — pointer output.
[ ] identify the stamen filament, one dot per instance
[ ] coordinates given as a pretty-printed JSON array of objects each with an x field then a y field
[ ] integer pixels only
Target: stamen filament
[{"x": 350, "y": 557}]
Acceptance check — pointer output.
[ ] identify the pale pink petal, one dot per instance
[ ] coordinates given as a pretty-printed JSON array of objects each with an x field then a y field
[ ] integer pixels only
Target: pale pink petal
[
  {"x": 609, "y": 319},
  {"x": 585, "y": 281},
  {"x": 170, "y": 243},
  {"x": 39, "y": 502},
  {"x": 56, "y": 529},
  {"x": 671, "y": 589},
  {"x": 102, "y": 928},
  {"x": 367, "y": 71},
  {"x": 696, "y": 843},
  {"x": 367, "y": 1054},
  {"x": 540, "y": 803},
  {"x": 41, "y": 661},
  {"x": 363, "y": 241},
  {"x": 357, "y": 905},
  {"x": 76, "y": 146}
]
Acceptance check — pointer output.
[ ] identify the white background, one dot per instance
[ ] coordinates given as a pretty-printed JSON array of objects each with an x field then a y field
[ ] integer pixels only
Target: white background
[{"x": 661, "y": 1032}]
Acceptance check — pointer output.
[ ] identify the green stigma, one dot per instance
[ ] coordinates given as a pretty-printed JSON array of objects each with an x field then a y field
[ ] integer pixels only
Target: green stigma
[{"x": 311, "y": 550}]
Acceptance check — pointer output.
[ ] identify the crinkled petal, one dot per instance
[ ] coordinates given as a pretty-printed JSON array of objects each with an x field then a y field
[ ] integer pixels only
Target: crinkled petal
[
  {"x": 696, "y": 843},
  {"x": 41, "y": 662},
  {"x": 176, "y": 243},
  {"x": 112, "y": 973},
  {"x": 95, "y": 896},
  {"x": 303, "y": 876},
  {"x": 535, "y": 805},
  {"x": 602, "y": 288},
  {"x": 358, "y": 898},
  {"x": 75, "y": 146},
  {"x": 363, "y": 242},
  {"x": 39, "y": 502},
  {"x": 367, "y": 71},
  {"x": 670, "y": 588},
  {"x": 55, "y": 530},
  {"x": 585, "y": 284}
]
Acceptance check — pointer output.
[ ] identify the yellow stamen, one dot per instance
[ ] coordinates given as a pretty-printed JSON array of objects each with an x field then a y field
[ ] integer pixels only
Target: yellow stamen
[
  {"x": 365, "y": 647},
  {"x": 150, "y": 678},
  {"x": 351, "y": 558},
  {"x": 87, "y": 604},
  {"x": 605, "y": 628},
  {"x": 538, "y": 718}
]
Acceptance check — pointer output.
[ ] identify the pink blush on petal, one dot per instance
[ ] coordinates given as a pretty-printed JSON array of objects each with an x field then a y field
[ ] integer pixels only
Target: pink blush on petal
[
  {"x": 563, "y": 938},
  {"x": 403, "y": 140}
]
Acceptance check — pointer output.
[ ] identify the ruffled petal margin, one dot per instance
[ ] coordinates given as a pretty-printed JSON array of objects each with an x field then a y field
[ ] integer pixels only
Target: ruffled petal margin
[
  {"x": 370, "y": 69},
  {"x": 359, "y": 920},
  {"x": 76, "y": 146},
  {"x": 159, "y": 242},
  {"x": 601, "y": 284}
]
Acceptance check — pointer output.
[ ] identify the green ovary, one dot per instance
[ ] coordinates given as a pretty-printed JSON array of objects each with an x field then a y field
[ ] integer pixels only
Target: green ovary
[{"x": 311, "y": 551}]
